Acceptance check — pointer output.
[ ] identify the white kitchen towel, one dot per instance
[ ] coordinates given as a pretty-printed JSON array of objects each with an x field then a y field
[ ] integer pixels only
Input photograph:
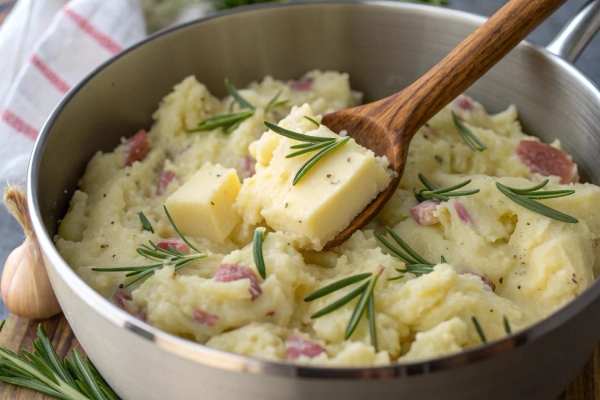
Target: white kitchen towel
[{"x": 47, "y": 47}]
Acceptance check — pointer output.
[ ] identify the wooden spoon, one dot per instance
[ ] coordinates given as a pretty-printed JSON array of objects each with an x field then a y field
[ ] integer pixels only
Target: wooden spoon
[{"x": 388, "y": 125}]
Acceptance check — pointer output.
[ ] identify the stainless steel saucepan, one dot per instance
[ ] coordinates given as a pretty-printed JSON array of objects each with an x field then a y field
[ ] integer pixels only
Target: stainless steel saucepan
[{"x": 384, "y": 46}]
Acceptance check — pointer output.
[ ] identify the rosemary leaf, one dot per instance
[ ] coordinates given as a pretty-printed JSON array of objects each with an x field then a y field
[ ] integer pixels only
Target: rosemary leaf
[
  {"x": 305, "y": 145},
  {"x": 342, "y": 283},
  {"x": 395, "y": 278},
  {"x": 524, "y": 200},
  {"x": 312, "y": 120},
  {"x": 295, "y": 135},
  {"x": 414, "y": 263},
  {"x": 279, "y": 104},
  {"x": 394, "y": 250},
  {"x": 362, "y": 304},
  {"x": 506, "y": 325},
  {"x": 178, "y": 232},
  {"x": 372, "y": 325},
  {"x": 531, "y": 189},
  {"x": 341, "y": 301},
  {"x": 407, "y": 249},
  {"x": 467, "y": 135},
  {"x": 310, "y": 163},
  {"x": 238, "y": 98},
  {"x": 426, "y": 182},
  {"x": 417, "y": 269},
  {"x": 308, "y": 149},
  {"x": 274, "y": 103},
  {"x": 145, "y": 223},
  {"x": 259, "y": 237},
  {"x": 479, "y": 330},
  {"x": 226, "y": 121},
  {"x": 140, "y": 276}
]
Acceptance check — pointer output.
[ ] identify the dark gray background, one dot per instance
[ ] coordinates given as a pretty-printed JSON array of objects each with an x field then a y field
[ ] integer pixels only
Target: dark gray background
[{"x": 11, "y": 234}]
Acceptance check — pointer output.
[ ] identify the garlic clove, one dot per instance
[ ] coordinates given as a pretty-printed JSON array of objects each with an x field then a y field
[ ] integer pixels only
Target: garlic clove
[{"x": 25, "y": 287}]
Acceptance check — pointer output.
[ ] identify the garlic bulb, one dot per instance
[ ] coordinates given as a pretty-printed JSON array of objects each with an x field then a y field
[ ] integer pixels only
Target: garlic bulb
[{"x": 25, "y": 286}]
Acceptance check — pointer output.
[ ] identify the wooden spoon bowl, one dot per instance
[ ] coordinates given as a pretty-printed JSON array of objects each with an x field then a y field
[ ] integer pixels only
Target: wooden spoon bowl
[{"x": 387, "y": 126}]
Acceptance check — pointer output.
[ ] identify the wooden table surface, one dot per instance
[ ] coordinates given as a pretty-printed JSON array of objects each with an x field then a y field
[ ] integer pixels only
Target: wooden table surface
[{"x": 20, "y": 333}]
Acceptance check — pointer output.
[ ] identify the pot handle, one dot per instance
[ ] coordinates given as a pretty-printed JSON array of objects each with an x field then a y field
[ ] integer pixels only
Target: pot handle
[{"x": 573, "y": 38}]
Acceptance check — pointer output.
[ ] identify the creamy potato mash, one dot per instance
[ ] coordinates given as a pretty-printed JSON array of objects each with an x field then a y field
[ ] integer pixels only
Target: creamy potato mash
[{"x": 501, "y": 261}]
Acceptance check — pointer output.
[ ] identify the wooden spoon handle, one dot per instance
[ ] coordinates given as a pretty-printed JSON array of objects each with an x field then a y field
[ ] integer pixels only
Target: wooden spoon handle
[{"x": 466, "y": 63}]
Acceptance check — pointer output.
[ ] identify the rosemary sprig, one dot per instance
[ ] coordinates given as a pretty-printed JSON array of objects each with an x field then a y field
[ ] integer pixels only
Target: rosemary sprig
[
  {"x": 311, "y": 143},
  {"x": 433, "y": 192},
  {"x": 162, "y": 257},
  {"x": 145, "y": 223},
  {"x": 226, "y": 121},
  {"x": 230, "y": 122},
  {"x": 468, "y": 136},
  {"x": 526, "y": 198},
  {"x": 414, "y": 263},
  {"x": 367, "y": 301},
  {"x": 479, "y": 330},
  {"x": 259, "y": 237},
  {"x": 73, "y": 378}
]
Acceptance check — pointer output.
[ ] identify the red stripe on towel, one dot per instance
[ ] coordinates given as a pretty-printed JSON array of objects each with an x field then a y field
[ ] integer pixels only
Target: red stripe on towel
[
  {"x": 15, "y": 122},
  {"x": 92, "y": 31},
  {"x": 49, "y": 74}
]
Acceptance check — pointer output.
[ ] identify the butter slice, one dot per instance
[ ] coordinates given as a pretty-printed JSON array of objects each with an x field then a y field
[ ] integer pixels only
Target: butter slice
[
  {"x": 203, "y": 206},
  {"x": 325, "y": 200}
]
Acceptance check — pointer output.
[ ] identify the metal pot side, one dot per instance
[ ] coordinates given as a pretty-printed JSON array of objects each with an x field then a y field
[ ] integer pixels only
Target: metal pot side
[{"x": 384, "y": 46}]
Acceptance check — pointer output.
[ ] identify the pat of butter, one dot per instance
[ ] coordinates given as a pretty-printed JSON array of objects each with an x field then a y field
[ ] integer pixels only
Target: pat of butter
[
  {"x": 203, "y": 206},
  {"x": 325, "y": 200}
]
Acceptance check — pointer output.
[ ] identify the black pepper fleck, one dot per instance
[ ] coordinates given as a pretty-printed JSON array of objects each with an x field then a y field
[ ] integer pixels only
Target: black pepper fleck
[
  {"x": 104, "y": 195},
  {"x": 519, "y": 287},
  {"x": 212, "y": 203},
  {"x": 329, "y": 175},
  {"x": 112, "y": 222},
  {"x": 575, "y": 281},
  {"x": 121, "y": 286},
  {"x": 438, "y": 159}
]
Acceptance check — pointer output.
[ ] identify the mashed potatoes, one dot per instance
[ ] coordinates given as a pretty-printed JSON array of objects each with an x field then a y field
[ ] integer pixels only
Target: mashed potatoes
[{"x": 501, "y": 261}]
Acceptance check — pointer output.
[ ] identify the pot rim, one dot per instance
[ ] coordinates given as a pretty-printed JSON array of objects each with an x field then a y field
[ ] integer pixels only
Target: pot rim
[{"x": 208, "y": 356}]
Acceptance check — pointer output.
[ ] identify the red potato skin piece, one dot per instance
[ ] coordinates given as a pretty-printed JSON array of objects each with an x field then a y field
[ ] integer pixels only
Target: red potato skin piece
[
  {"x": 463, "y": 102},
  {"x": 462, "y": 270},
  {"x": 302, "y": 85},
  {"x": 234, "y": 272},
  {"x": 175, "y": 243},
  {"x": 137, "y": 147},
  {"x": 165, "y": 178},
  {"x": 423, "y": 213},
  {"x": 120, "y": 299},
  {"x": 297, "y": 347},
  {"x": 248, "y": 166},
  {"x": 462, "y": 212},
  {"x": 546, "y": 160},
  {"x": 205, "y": 318}
]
